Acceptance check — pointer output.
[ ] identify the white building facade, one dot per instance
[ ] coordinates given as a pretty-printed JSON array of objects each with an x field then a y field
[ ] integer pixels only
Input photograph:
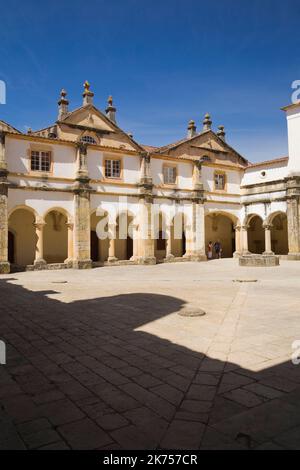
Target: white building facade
[{"x": 83, "y": 193}]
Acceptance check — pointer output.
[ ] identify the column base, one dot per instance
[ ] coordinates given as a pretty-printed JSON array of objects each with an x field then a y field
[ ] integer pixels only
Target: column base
[
  {"x": 268, "y": 253},
  {"x": 82, "y": 264},
  {"x": 4, "y": 267},
  {"x": 39, "y": 264},
  {"x": 236, "y": 254},
  {"x": 169, "y": 258},
  {"x": 146, "y": 260},
  {"x": 112, "y": 259},
  {"x": 69, "y": 262},
  {"x": 195, "y": 257},
  {"x": 293, "y": 256}
]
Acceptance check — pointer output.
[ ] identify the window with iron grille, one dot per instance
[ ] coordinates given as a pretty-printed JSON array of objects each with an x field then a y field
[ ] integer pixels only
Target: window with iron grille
[
  {"x": 40, "y": 161},
  {"x": 219, "y": 181},
  {"x": 88, "y": 139},
  {"x": 170, "y": 174},
  {"x": 112, "y": 168}
]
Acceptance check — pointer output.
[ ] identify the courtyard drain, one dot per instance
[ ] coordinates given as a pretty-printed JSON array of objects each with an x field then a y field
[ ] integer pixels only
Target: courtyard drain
[
  {"x": 244, "y": 280},
  {"x": 192, "y": 312},
  {"x": 59, "y": 282}
]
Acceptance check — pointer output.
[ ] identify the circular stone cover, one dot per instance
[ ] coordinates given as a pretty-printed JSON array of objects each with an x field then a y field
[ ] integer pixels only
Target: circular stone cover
[{"x": 191, "y": 312}]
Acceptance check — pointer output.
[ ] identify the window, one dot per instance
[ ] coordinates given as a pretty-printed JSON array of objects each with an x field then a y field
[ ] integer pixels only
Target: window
[
  {"x": 40, "y": 161},
  {"x": 88, "y": 139},
  {"x": 219, "y": 181},
  {"x": 169, "y": 174},
  {"x": 112, "y": 168}
]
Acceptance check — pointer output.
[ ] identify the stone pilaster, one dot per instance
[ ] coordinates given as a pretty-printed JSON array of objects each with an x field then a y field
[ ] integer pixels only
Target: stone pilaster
[
  {"x": 195, "y": 233},
  {"x": 82, "y": 220},
  {"x": 145, "y": 219},
  {"x": 4, "y": 264},
  {"x": 293, "y": 216}
]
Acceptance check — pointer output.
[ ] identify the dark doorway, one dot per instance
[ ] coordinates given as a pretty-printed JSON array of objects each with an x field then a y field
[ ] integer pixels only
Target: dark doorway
[
  {"x": 11, "y": 247},
  {"x": 183, "y": 243},
  {"x": 94, "y": 246},
  {"x": 129, "y": 247}
]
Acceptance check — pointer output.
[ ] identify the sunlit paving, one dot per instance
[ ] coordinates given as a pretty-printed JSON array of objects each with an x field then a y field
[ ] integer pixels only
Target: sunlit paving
[{"x": 170, "y": 356}]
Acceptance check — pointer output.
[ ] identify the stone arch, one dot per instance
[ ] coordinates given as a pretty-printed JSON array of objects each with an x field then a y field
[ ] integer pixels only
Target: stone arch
[
  {"x": 256, "y": 233},
  {"x": 21, "y": 222},
  {"x": 220, "y": 227},
  {"x": 56, "y": 235},
  {"x": 279, "y": 232}
]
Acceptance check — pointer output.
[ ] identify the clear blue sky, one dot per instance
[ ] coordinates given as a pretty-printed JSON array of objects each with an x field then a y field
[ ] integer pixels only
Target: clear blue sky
[{"x": 164, "y": 62}]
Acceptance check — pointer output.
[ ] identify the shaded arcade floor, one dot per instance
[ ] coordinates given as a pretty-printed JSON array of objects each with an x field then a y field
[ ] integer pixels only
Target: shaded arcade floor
[{"x": 101, "y": 359}]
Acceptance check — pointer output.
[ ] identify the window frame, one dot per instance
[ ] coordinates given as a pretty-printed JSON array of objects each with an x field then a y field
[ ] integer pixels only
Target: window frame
[
  {"x": 90, "y": 139},
  {"x": 113, "y": 160},
  {"x": 220, "y": 173},
  {"x": 40, "y": 168},
  {"x": 167, "y": 167}
]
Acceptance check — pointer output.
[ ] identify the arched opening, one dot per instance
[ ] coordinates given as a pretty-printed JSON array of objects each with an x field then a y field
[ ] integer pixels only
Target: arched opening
[
  {"x": 99, "y": 244},
  {"x": 124, "y": 241},
  {"x": 22, "y": 237},
  {"x": 279, "y": 234},
  {"x": 256, "y": 235},
  {"x": 55, "y": 237},
  {"x": 219, "y": 228},
  {"x": 11, "y": 247},
  {"x": 160, "y": 237},
  {"x": 178, "y": 239}
]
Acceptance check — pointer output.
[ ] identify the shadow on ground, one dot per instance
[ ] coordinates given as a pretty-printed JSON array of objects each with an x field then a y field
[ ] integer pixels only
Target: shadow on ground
[{"x": 78, "y": 376}]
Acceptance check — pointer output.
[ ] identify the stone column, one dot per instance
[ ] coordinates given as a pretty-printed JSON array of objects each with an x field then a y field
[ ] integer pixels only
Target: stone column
[
  {"x": 82, "y": 219},
  {"x": 195, "y": 233},
  {"x": 238, "y": 241},
  {"x": 82, "y": 230},
  {"x": 244, "y": 239},
  {"x": 169, "y": 255},
  {"x": 268, "y": 246},
  {"x": 39, "y": 262},
  {"x": 293, "y": 228},
  {"x": 112, "y": 243},
  {"x": 4, "y": 264},
  {"x": 69, "y": 259},
  {"x": 146, "y": 232}
]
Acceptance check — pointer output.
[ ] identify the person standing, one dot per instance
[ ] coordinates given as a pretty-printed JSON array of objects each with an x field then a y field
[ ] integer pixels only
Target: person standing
[
  {"x": 210, "y": 250},
  {"x": 218, "y": 249}
]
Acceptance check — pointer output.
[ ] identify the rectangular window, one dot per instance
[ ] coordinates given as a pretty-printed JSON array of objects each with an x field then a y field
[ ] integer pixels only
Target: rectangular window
[
  {"x": 169, "y": 174},
  {"x": 219, "y": 181},
  {"x": 112, "y": 168},
  {"x": 40, "y": 161}
]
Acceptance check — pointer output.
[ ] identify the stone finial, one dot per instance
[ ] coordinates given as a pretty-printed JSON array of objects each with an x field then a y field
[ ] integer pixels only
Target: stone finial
[
  {"x": 63, "y": 105},
  {"x": 221, "y": 132},
  {"x": 111, "y": 110},
  {"x": 191, "y": 129},
  {"x": 87, "y": 94},
  {"x": 207, "y": 122}
]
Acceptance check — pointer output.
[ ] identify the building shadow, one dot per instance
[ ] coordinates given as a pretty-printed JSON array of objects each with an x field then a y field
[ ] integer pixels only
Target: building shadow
[{"x": 78, "y": 375}]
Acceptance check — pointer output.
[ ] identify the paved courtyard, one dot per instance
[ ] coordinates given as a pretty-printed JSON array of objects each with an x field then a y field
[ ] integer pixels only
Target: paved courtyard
[{"x": 101, "y": 359}]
